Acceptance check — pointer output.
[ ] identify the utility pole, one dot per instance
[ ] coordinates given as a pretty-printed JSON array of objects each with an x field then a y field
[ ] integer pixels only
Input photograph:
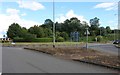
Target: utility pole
[{"x": 53, "y": 24}]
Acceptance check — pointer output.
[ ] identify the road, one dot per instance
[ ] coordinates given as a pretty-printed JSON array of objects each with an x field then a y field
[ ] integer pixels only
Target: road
[
  {"x": 0, "y": 58},
  {"x": 109, "y": 48},
  {"x": 18, "y": 60}
]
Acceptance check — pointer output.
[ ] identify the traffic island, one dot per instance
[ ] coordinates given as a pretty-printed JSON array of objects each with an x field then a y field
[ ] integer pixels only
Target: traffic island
[{"x": 82, "y": 55}]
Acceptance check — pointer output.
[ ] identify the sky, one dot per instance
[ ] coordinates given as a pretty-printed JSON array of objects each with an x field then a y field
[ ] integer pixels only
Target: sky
[{"x": 33, "y": 12}]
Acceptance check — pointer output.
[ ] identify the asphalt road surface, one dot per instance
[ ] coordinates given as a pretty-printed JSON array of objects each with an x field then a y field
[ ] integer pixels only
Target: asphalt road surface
[
  {"x": 109, "y": 48},
  {"x": 0, "y": 58},
  {"x": 18, "y": 60}
]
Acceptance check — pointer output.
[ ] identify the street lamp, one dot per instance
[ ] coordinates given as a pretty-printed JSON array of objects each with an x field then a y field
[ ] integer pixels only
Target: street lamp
[{"x": 53, "y": 25}]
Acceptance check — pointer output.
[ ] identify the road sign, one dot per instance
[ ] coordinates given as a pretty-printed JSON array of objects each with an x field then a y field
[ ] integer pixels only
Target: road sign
[
  {"x": 87, "y": 32},
  {"x": 74, "y": 36}
]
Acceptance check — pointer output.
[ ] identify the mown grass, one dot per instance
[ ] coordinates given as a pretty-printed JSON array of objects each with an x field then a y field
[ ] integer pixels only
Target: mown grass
[{"x": 48, "y": 43}]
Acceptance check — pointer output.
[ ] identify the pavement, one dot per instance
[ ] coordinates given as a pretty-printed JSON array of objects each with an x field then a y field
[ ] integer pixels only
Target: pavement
[{"x": 18, "y": 60}]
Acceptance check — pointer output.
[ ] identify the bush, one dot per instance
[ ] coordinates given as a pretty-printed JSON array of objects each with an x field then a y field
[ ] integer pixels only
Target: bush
[
  {"x": 64, "y": 35},
  {"x": 18, "y": 39},
  {"x": 99, "y": 38},
  {"x": 90, "y": 39},
  {"x": 29, "y": 37},
  {"x": 42, "y": 40},
  {"x": 26, "y": 38},
  {"x": 60, "y": 39}
]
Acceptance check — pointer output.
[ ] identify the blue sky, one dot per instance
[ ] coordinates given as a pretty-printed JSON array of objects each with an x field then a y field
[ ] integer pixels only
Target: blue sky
[{"x": 30, "y": 13}]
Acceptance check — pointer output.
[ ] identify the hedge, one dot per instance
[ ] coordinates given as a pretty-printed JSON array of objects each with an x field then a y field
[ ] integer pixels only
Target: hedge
[
  {"x": 17, "y": 39},
  {"x": 42, "y": 40},
  {"x": 60, "y": 39},
  {"x": 33, "y": 40}
]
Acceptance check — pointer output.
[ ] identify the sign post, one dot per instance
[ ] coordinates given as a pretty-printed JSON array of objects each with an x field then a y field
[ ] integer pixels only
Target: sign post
[{"x": 87, "y": 33}]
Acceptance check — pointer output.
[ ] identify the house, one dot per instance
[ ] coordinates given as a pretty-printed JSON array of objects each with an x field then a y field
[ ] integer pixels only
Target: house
[{"x": 5, "y": 40}]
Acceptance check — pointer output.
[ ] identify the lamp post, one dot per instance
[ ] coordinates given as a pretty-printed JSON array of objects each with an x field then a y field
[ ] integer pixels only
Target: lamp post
[{"x": 53, "y": 24}]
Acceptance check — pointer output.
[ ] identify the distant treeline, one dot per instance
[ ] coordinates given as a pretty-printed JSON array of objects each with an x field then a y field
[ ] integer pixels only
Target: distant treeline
[{"x": 62, "y": 30}]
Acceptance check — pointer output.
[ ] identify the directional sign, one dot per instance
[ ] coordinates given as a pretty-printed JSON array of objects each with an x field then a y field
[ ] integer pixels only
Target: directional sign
[
  {"x": 87, "y": 32},
  {"x": 74, "y": 36}
]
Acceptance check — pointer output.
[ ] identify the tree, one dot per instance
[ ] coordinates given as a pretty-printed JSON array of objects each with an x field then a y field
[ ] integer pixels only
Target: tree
[
  {"x": 29, "y": 37},
  {"x": 58, "y": 26},
  {"x": 4, "y": 36},
  {"x": 85, "y": 24},
  {"x": 14, "y": 30},
  {"x": 24, "y": 31},
  {"x": 47, "y": 24},
  {"x": 47, "y": 32},
  {"x": 64, "y": 35},
  {"x": 103, "y": 31},
  {"x": 94, "y": 29},
  {"x": 75, "y": 24},
  {"x": 65, "y": 26},
  {"x": 38, "y": 31},
  {"x": 71, "y": 25},
  {"x": 108, "y": 30},
  {"x": 94, "y": 21}
]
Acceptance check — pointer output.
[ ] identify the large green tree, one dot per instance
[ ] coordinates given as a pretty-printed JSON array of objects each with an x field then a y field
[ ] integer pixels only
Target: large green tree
[
  {"x": 103, "y": 31},
  {"x": 108, "y": 30},
  {"x": 38, "y": 31},
  {"x": 94, "y": 29},
  {"x": 71, "y": 25},
  {"x": 47, "y": 32},
  {"x": 47, "y": 24},
  {"x": 14, "y": 30}
]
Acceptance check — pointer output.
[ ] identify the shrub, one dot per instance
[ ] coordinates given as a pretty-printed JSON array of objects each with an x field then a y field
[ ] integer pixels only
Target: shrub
[
  {"x": 99, "y": 38},
  {"x": 42, "y": 40},
  {"x": 18, "y": 39},
  {"x": 64, "y": 35},
  {"x": 29, "y": 37},
  {"x": 60, "y": 39},
  {"x": 26, "y": 38},
  {"x": 90, "y": 39}
]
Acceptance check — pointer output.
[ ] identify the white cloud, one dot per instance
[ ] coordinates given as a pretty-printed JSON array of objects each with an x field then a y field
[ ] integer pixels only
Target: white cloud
[
  {"x": 107, "y": 6},
  {"x": 33, "y": 5},
  {"x": 69, "y": 15},
  {"x": 7, "y": 19},
  {"x": 23, "y": 14},
  {"x": 12, "y": 11}
]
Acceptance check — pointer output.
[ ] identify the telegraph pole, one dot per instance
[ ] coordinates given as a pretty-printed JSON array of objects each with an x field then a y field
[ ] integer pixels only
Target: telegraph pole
[{"x": 53, "y": 24}]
